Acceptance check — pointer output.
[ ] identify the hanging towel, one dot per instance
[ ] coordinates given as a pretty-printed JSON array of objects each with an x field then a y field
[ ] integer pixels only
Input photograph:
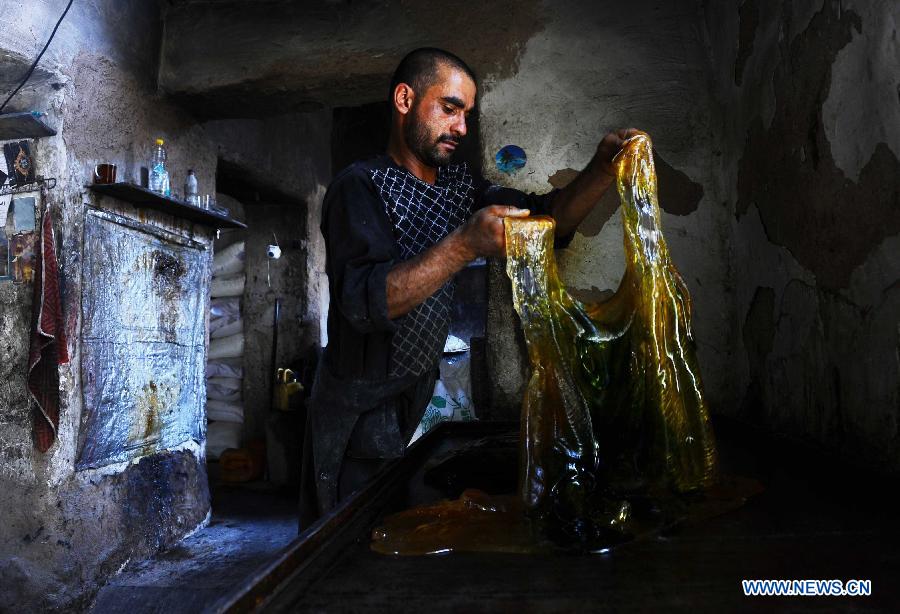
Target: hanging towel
[{"x": 48, "y": 339}]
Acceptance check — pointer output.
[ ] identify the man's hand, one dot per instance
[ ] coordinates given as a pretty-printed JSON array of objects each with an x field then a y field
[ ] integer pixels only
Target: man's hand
[
  {"x": 484, "y": 235},
  {"x": 575, "y": 201},
  {"x": 609, "y": 146},
  {"x": 414, "y": 280}
]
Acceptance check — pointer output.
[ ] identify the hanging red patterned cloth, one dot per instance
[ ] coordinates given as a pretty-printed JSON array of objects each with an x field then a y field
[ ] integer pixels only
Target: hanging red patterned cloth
[{"x": 48, "y": 339}]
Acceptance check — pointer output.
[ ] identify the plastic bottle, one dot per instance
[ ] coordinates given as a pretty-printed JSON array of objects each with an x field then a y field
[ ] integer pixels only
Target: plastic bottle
[
  {"x": 190, "y": 189},
  {"x": 159, "y": 177}
]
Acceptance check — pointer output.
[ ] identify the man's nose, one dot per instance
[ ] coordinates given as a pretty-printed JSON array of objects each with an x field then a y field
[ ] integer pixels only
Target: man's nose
[{"x": 459, "y": 126}]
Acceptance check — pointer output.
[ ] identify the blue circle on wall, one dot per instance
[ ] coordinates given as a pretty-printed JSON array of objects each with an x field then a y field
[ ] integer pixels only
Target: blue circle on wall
[{"x": 510, "y": 158}]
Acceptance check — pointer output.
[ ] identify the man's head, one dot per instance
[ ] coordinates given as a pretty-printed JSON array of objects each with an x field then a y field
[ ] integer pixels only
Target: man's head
[{"x": 432, "y": 94}]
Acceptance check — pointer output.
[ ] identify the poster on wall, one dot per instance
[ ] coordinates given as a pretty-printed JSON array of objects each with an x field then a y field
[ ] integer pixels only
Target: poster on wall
[
  {"x": 21, "y": 257},
  {"x": 19, "y": 163},
  {"x": 142, "y": 361},
  {"x": 17, "y": 238}
]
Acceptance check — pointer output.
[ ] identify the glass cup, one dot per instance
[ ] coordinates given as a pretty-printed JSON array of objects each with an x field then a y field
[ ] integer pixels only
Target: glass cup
[{"x": 105, "y": 173}]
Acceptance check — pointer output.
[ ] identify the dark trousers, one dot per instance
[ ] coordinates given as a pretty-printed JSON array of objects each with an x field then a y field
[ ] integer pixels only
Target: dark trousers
[{"x": 354, "y": 474}]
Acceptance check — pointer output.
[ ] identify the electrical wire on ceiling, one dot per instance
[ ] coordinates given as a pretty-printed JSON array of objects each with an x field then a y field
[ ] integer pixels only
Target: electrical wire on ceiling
[{"x": 38, "y": 59}]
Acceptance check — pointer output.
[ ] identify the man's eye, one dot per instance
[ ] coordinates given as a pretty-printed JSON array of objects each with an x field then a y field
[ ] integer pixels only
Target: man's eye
[{"x": 449, "y": 110}]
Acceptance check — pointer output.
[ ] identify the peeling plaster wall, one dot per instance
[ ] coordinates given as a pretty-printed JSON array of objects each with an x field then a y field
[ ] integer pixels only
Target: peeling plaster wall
[
  {"x": 593, "y": 67},
  {"x": 777, "y": 133},
  {"x": 65, "y": 531},
  {"x": 810, "y": 99}
]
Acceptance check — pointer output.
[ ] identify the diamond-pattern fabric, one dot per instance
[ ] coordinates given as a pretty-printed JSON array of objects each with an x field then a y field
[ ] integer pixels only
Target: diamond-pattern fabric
[{"x": 422, "y": 214}]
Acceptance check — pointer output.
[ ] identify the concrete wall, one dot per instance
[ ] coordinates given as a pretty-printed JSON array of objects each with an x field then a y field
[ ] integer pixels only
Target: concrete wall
[
  {"x": 594, "y": 67},
  {"x": 810, "y": 176},
  {"x": 64, "y": 531}
]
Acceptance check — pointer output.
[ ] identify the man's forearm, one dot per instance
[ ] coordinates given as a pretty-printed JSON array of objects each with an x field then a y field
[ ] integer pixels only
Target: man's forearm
[
  {"x": 412, "y": 281},
  {"x": 573, "y": 203}
]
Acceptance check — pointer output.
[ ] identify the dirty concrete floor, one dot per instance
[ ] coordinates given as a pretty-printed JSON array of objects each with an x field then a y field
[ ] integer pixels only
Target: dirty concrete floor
[{"x": 248, "y": 526}]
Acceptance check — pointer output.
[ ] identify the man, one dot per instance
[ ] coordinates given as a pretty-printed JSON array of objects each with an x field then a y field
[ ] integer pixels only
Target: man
[{"x": 397, "y": 228}]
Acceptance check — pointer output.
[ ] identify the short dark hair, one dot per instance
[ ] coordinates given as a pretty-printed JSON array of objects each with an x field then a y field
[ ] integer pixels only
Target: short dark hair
[{"x": 419, "y": 67}]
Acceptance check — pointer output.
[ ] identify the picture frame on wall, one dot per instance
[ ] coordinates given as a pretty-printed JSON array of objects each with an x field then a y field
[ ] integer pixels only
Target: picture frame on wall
[{"x": 19, "y": 163}]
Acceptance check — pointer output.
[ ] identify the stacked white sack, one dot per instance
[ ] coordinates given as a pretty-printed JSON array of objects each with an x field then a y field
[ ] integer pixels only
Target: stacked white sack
[
  {"x": 222, "y": 435},
  {"x": 224, "y": 368},
  {"x": 230, "y": 261},
  {"x": 231, "y": 346},
  {"x": 224, "y": 411},
  {"x": 232, "y": 285}
]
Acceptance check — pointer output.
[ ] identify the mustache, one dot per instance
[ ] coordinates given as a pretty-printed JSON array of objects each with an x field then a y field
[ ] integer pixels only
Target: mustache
[{"x": 449, "y": 138}]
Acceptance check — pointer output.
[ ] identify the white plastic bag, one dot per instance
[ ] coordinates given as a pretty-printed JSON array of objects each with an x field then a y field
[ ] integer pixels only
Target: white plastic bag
[
  {"x": 452, "y": 397},
  {"x": 458, "y": 386},
  {"x": 438, "y": 411}
]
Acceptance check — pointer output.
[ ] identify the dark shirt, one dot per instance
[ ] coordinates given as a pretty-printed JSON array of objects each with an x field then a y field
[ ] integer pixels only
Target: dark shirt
[{"x": 375, "y": 215}]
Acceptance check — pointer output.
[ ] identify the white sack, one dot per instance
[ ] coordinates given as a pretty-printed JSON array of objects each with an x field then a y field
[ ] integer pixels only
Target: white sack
[
  {"x": 227, "y": 286},
  {"x": 224, "y": 388},
  {"x": 225, "y": 330},
  {"x": 228, "y": 308},
  {"x": 221, "y": 436},
  {"x": 227, "y": 367},
  {"x": 224, "y": 411},
  {"x": 226, "y": 347},
  {"x": 229, "y": 261}
]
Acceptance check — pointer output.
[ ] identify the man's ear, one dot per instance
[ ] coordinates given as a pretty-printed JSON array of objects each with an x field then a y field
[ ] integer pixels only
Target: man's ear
[{"x": 403, "y": 98}]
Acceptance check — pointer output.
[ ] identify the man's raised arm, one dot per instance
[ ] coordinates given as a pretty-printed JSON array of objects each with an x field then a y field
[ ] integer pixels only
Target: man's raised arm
[{"x": 573, "y": 203}]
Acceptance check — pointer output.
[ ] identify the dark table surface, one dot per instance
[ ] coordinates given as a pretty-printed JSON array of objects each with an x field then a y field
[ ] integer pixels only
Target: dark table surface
[{"x": 816, "y": 519}]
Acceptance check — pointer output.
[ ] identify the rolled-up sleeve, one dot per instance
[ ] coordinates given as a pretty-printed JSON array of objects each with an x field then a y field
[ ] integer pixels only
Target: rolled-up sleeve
[{"x": 360, "y": 249}]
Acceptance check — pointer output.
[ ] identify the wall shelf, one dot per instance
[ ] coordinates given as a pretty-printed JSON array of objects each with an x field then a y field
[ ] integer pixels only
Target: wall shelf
[
  {"x": 15, "y": 126},
  {"x": 142, "y": 197}
]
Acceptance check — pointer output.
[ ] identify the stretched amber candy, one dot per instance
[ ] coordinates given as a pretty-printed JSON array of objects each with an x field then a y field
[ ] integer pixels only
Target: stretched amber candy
[{"x": 615, "y": 401}]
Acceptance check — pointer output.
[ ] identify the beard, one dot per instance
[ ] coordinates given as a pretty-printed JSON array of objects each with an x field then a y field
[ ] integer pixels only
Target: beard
[{"x": 425, "y": 146}]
